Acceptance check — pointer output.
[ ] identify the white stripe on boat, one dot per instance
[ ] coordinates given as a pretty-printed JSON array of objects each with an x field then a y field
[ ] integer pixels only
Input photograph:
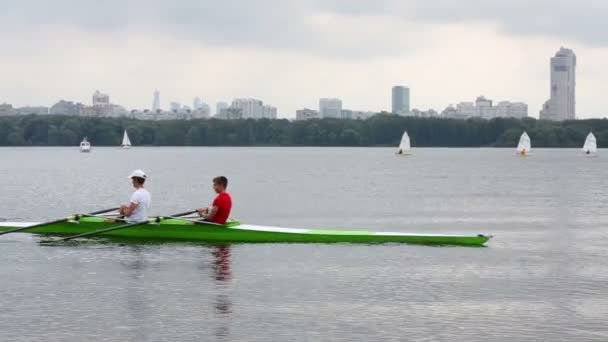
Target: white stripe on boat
[
  {"x": 418, "y": 234},
  {"x": 17, "y": 224},
  {"x": 272, "y": 229}
]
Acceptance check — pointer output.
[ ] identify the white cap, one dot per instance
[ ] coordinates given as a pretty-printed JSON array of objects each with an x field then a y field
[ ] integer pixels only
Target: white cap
[{"x": 138, "y": 174}]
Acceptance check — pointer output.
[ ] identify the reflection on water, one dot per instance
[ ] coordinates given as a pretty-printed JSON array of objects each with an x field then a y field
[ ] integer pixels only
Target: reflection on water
[
  {"x": 221, "y": 264},
  {"x": 543, "y": 277},
  {"x": 136, "y": 300},
  {"x": 222, "y": 274}
]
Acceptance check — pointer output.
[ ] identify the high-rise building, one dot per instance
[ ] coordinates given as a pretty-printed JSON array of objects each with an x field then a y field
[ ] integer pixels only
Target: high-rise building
[
  {"x": 562, "y": 104},
  {"x": 330, "y": 108},
  {"x": 196, "y": 103},
  {"x": 269, "y": 112},
  {"x": 175, "y": 107},
  {"x": 100, "y": 99},
  {"x": 219, "y": 106},
  {"x": 484, "y": 107},
  {"x": 306, "y": 114},
  {"x": 156, "y": 101},
  {"x": 401, "y": 100},
  {"x": 251, "y": 108}
]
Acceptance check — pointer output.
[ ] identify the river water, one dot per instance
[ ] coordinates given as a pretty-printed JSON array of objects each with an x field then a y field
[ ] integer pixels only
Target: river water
[{"x": 544, "y": 276}]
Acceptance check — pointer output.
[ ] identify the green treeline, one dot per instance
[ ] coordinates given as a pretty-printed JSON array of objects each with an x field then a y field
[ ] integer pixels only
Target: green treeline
[{"x": 380, "y": 130}]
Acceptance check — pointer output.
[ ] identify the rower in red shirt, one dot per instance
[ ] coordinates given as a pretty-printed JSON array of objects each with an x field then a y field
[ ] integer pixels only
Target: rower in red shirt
[{"x": 220, "y": 210}]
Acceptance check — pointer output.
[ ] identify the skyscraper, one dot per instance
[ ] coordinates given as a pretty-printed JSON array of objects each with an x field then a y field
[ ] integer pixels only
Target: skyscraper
[
  {"x": 401, "y": 100},
  {"x": 252, "y": 108},
  {"x": 220, "y": 106},
  {"x": 196, "y": 103},
  {"x": 330, "y": 108},
  {"x": 562, "y": 104},
  {"x": 156, "y": 101}
]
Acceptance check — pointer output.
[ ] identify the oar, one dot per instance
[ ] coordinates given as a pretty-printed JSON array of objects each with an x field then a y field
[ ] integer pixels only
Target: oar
[
  {"x": 129, "y": 225},
  {"x": 73, "y": 217},
  {"x": 124, "y": 226},
  {"x": 194, "y": 220}
]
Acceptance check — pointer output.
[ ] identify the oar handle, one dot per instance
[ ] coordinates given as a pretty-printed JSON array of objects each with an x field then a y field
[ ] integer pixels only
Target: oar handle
[
  {"x": 184, "y": 214},
  {"x": 103, "y": 211}
]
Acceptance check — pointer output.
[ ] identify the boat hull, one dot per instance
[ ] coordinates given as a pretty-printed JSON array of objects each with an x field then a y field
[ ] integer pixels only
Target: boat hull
[{"x": 180, "y": 230}]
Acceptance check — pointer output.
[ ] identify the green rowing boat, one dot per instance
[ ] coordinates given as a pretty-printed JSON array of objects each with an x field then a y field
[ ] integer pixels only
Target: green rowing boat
[{"x": 235, "y": 232}]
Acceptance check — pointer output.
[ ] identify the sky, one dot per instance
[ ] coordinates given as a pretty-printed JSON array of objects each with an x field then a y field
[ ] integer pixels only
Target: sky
[{"x": 289, "y": 53}]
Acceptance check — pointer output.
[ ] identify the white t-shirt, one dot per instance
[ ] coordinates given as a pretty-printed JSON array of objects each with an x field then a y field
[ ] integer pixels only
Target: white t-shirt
[{"x": 141, "y": 196}]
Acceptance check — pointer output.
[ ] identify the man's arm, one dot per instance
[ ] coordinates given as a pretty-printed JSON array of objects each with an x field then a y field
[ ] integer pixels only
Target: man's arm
[
  {"x": 128, "y": 210},
  {"x": 208, "y": 214}
]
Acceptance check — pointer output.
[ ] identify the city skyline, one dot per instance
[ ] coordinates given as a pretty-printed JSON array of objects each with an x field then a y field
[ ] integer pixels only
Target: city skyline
[{"x": 348, "y": 50}]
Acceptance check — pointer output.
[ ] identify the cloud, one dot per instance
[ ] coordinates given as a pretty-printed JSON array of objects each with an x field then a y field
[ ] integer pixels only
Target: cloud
[
  {"x": 289, "y": 53},
  {"x": 335, "y": 28}
]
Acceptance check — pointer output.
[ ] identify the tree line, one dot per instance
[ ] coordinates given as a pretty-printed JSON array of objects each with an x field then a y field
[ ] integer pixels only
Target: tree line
[{"x": 381, "y": 130}]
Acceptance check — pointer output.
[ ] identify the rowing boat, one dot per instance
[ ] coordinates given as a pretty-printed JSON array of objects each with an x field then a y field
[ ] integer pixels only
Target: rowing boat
[{"x": 235, "y": 232}]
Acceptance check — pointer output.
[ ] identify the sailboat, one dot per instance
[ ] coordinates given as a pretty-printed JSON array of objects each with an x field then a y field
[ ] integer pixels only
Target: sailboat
[
  {"x": 590, "y": 146},
  {"x": 126, "y": 143},
  {"x": 524, "y": 146},
  {"x": 85, "y": 145},
  {"x": 404, "y": 147}
]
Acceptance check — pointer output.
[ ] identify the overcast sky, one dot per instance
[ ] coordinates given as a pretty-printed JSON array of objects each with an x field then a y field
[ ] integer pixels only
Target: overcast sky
[{"x": 289, "y": 53}]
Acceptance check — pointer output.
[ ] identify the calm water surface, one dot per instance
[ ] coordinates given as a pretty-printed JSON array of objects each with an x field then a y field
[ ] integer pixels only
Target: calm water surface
[{"x": 544, "y": 277}]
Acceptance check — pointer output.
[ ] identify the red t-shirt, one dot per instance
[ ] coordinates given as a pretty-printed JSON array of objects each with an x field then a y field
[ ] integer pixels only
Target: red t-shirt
[{"x": 223, "y": 202}]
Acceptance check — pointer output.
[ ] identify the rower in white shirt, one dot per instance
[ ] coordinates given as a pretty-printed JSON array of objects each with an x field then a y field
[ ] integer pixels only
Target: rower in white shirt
[{"x": 137, "y": 209}]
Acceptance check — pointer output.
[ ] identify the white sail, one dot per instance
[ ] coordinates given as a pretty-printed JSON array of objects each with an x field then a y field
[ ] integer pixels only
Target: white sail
[
  {"x": 126, "y": 143},
  {"x": 590, "y": 144},
  {"x": 404, "y": 146},
  {"x": 524, "y": 145},
  {"x": 85, "y": 146}
]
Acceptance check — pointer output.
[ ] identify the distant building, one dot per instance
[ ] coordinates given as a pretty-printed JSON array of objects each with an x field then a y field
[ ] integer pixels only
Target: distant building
[
  {"x": 484, "y": 108},
  {"x": 451, "y": 112},
  {"x": 196, "y": 103},
  {"x": 562, "y": 103},
  {"x": 175, "y": 107},
  {"x": 100, "y": 99},
  {"x": 356, "y": 114},
  {"x": 66, "y": 108},
  {"x": 269, "y": 112},
  {"x": 251, "y": 108},
  {"x": 466, "y": 109},
  {"x": 7, "y": 110},
  {"x": 32, "y": 110},
  {"x": 219, "y": 106},
  {"x": 230, "y": 113},
  {"x": 202, "y": 112},
  {"x": 306, "y": 114},
  {"x": 330, "y": 108},
  {"x": 430, "y": 113},
  {"x": 254, "y": 109},
  {"x": 511, "y": 109},
  {"x": 156, "y": 101},
  {"x": 400, "y": 100}
]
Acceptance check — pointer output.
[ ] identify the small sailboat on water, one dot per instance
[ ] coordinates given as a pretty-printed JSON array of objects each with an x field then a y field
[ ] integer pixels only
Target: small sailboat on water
[
  {"x": 524, "y": 146},
  {"x": 85, "y": 145},
  {"x": 126, "y": 143},
  {"x": 404, "y": 146},
  {"x": 590, "y": 146}
]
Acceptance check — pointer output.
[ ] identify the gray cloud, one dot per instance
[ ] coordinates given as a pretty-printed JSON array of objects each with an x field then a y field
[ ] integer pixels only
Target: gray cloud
[
  {"x": 286, "y": 24},
  {"x": 583, "y": 21}
]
